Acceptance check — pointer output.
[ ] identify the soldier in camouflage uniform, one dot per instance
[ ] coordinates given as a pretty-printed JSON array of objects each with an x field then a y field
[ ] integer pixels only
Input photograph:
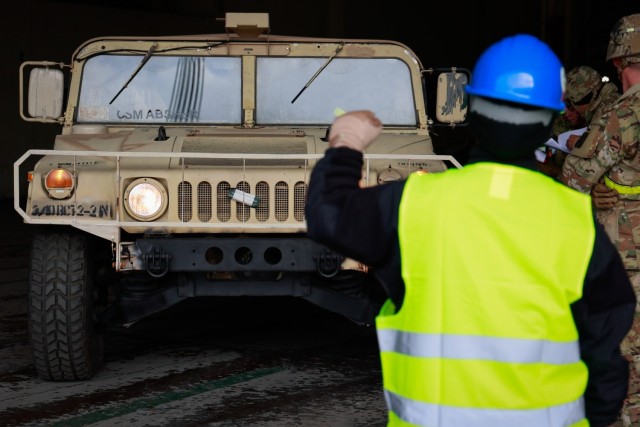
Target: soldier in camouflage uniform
[
  {"x": 587, "y": 95},
  {"x": 609, "y": 152}
]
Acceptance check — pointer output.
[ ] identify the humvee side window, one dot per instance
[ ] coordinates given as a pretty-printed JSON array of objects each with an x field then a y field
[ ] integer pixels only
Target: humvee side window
[
  {"x": 382, "y": 85},
  {"x": 168, "y": 89}
]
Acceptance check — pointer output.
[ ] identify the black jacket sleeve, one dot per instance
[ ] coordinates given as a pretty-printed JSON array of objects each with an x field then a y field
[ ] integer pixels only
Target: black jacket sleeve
[
  {"x": 358, "y": 223},
  {"x": 603, "y": 317}
]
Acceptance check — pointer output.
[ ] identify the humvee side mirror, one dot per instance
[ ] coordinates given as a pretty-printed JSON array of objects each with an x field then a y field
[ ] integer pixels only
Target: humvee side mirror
[
  {"x": 45, "y": 93},
  {"x": 451, "y": 99},
  {"x": 446, "y": 86}
]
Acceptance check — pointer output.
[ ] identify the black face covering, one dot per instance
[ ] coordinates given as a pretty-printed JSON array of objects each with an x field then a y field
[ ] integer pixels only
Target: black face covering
[{"x": 506, "y": 132}]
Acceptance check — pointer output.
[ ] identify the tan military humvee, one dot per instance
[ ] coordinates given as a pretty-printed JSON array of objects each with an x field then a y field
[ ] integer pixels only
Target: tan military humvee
[{"x": 181, "y": 171}]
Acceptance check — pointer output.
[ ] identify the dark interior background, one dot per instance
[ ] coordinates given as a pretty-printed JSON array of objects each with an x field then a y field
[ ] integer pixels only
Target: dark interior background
[{"x": 441, "y": 33}]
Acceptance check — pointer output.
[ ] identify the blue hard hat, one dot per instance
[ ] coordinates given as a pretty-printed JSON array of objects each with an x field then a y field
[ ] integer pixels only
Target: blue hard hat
[{"x": 520, "y": 69}]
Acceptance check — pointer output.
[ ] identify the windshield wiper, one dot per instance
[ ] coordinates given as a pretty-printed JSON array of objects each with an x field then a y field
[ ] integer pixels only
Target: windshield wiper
[
  {"x": 329, "y": 59},
  {"x": 137, "y": 70}
]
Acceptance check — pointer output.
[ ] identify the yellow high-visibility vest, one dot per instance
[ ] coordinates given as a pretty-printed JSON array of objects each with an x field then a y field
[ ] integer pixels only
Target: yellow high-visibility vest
[{"x": 492, "y": 258}]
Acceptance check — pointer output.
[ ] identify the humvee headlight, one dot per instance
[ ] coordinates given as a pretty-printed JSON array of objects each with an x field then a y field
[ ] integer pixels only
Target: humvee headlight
[
  {"x": 59, "y": 183},
  {"x": 145, "y": 199}
]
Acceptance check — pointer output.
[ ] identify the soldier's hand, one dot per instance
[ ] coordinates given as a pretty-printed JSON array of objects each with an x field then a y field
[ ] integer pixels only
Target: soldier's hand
[
  {"x": 355, "y": 129},
  {"x": 603, "y": 197}
]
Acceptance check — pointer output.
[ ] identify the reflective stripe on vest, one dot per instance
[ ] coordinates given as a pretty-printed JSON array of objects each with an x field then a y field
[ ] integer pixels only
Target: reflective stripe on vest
[
  {"x": 429, "y": 415},
  {"x": 492, "y": 258},
  {"x": 622, "y": 189},
  {"x": 512, "y": 350},
  {"x": 478, "y": 348}
]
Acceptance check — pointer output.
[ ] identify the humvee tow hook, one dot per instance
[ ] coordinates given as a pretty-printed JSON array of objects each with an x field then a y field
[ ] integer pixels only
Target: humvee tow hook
[
  {"x": 156, "y": 262},
  {"x": 328, "y": 263}
]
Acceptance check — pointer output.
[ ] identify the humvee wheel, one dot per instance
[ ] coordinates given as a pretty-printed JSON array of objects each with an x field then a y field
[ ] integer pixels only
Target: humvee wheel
[{"x": 65, "y": 342}]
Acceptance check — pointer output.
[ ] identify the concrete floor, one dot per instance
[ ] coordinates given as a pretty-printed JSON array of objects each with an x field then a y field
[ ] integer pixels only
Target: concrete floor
[{"x": 270, "y": 362}]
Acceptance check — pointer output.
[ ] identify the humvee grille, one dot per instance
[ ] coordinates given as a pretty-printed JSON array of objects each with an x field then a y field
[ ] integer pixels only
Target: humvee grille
[
  {"x": 223, "y": 202},
  {"x": 204, "y": 202},
  {"x": 184, "y": 201},
  {"x": 282, "y": 201},
  {"x": 299, "y": 200},
  {"x": 262, "y": 191},
  {"x": 242, "y": 211}
]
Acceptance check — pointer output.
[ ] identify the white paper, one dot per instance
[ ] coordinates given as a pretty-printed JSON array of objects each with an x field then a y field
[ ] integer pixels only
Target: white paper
[
  {"x": 561, "y": 143},
  {"x": 540, "y": 155},
  {"x": 244, "y": 198}
]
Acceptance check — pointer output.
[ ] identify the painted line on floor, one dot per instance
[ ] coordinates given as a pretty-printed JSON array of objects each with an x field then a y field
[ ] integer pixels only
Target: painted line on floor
[{"x": 145, "y": 403}]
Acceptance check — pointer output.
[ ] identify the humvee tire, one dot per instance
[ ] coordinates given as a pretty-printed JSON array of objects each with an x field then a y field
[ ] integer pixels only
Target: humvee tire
[{"x": 66, "y": 343}]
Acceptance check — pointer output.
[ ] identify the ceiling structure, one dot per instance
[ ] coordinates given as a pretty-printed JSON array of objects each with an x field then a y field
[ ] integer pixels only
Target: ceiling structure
[{"x": 448, "y": 32}]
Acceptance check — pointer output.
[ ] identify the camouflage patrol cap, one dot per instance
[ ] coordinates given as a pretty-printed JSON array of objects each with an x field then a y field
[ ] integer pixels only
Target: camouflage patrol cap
[
  {"x": 624, "y": 39},
  {"x": 581, "y": 81}
]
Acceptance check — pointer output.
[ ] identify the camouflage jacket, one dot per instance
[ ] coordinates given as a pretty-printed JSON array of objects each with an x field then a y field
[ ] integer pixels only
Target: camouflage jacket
[
  {"x": 606, "y": 98},
  {"x": 608, "y": 148},
  {"x": 609, "y": 151},
  {"x": 561, "y": 125},
  {"x": 603, "y": 101}
]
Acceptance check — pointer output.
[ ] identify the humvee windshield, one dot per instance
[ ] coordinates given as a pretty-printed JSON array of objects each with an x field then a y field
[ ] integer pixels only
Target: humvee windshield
[{"x": 208, "y": 90}]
